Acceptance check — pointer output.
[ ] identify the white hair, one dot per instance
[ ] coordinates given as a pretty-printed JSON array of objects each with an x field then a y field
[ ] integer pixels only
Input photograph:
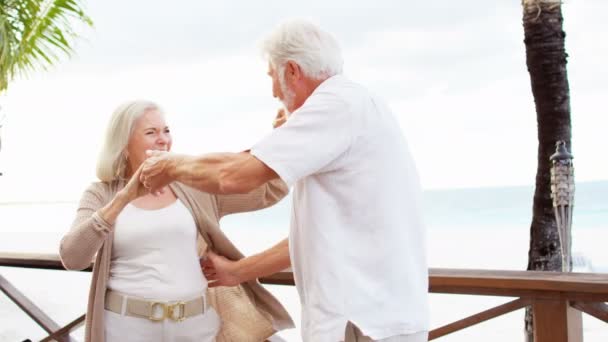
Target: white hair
[
  {"x": 314, "y": 50},
  {"x": 112, "y": 162}
]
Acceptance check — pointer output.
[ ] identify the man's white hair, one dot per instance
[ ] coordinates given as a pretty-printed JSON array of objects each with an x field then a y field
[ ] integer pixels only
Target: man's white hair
[
  {"x": 112, "y": 163},
  {"x": 314, "y": 50}
]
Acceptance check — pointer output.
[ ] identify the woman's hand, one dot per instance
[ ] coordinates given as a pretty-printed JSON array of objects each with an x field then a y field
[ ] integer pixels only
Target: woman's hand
[{"x": 134, "y": 188}]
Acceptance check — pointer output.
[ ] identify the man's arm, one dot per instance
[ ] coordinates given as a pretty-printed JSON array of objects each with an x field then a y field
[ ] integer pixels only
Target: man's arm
[
  {"x": 218, "y": 173},
  {"x": 220, "y": 271}
]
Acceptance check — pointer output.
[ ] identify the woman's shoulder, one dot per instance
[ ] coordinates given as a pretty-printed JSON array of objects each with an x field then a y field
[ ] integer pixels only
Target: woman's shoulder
[
  {"x": 196, "y": 195},
  {"x": 101, "y": 189},
  {"x": 196, "y": 199},
  {"x": 190, "y": 191}
]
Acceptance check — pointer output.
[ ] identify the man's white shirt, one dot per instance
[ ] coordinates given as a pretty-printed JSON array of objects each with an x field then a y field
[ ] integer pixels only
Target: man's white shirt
[{"x": 357, "y": 240}]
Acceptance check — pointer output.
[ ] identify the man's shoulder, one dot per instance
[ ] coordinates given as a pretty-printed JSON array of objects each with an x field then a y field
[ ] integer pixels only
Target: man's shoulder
[
  {"x": 339, "y": 92},
  {"x": 341, "y": 83}
]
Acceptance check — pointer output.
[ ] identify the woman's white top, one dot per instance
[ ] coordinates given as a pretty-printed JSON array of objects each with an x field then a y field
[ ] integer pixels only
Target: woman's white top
[{"x": 154, "y": 254}]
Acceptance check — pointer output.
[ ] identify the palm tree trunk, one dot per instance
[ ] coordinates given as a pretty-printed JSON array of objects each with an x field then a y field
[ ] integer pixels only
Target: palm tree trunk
[{"x": 546, "y": 61}]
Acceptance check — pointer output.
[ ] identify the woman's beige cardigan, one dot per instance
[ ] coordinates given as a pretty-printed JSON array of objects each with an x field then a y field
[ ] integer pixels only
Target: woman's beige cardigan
[{"x": 91, "y": 235}]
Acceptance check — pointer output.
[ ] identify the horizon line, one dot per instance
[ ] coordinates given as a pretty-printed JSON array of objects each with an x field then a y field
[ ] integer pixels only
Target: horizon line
[{"x": 71, "y": 201}]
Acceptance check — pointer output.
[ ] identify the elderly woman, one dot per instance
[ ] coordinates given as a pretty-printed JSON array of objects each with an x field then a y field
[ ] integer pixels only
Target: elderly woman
[{"x": 147, "y": 282}]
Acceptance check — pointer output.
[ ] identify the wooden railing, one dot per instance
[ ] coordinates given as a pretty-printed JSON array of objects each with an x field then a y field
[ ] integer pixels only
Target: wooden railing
[{"x": 557, "y": 299}]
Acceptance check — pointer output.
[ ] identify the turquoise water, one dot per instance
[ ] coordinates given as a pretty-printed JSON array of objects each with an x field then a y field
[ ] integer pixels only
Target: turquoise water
[
  {"x": 510, "y": 206},
  {"x": 448, "y": 209}
]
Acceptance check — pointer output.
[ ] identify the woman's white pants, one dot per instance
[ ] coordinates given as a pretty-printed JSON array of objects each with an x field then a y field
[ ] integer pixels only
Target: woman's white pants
[{"x": 199, "y": 328}]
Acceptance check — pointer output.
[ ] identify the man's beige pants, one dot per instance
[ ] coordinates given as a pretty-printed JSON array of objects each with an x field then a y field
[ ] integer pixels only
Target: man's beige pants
[{"x": 354, "y": 334}]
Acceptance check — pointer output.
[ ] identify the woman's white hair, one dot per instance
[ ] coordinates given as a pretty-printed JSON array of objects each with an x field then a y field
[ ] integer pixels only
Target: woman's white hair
[
  {"x": 112, "y": 162},
  {"x": 314, "y": 50}
]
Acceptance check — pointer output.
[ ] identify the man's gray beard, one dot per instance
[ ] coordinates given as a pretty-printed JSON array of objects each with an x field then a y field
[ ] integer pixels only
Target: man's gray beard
[{"x": 288, "y": 98}]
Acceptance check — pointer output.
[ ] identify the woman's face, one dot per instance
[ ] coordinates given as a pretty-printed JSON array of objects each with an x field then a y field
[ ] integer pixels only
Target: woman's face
[{"x": 149, "y": 133}]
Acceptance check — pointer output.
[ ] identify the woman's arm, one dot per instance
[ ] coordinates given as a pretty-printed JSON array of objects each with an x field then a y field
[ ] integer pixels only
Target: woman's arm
[
  {"x": 263, "y": 196},
  {"x": 94, "y": 221}
]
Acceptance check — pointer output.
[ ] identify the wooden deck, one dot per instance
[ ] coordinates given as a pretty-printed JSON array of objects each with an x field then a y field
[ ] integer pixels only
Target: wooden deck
[{"x": 557, "y": 299}]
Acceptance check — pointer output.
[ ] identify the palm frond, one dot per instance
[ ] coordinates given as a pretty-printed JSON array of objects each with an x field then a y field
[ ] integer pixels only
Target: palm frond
[{"x": 34, "y": 34}]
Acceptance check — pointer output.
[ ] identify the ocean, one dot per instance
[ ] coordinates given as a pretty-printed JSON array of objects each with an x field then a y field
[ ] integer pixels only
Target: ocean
[{"x": 484, "y": 228}]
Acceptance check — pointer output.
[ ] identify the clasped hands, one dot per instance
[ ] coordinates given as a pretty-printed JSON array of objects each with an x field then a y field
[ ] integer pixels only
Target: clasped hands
[{"x": 156, "y": 170}]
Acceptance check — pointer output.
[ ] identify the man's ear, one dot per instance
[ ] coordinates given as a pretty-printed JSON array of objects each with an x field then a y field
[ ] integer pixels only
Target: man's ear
[{"x": 293, "y": 73}]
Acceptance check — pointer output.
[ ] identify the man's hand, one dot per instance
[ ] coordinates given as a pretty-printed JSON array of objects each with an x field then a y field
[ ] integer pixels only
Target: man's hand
[
  {"x": 223, "y": 272},
  {"x": 156, "y": 171},
  {"x": 220, "y": 271},
  {"x": 280, "y": 119}
]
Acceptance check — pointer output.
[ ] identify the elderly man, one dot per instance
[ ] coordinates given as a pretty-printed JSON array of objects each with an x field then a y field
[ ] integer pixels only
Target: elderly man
[{"x": 356, "y": 243}]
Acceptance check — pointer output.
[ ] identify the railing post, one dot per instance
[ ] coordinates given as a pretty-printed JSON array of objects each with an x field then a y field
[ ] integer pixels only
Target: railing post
[
  {"x": 575, "y": 325},
  {"x": 556, "y": 321}
]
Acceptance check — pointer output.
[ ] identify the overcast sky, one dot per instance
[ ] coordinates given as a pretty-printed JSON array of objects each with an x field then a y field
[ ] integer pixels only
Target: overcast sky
[{"x": 453, "y": 72}]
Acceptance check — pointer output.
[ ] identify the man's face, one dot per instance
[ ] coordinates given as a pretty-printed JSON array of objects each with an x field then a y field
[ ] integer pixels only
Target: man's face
[{"x": 280, "y": 89}]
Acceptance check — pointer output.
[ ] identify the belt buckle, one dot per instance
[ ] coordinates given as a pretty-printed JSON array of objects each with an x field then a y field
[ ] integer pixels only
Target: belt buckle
[
  {"x": 182, "y": 311},
  {"x": 165, "y": 311}
]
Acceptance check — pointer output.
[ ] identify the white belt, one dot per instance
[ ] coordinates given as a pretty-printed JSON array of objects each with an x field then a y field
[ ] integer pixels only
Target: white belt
[{"x": 154, "y": 310}]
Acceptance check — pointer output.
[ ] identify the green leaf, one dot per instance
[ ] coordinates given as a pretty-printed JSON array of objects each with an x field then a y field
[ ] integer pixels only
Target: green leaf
[{"x": 34, "y": 34}]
